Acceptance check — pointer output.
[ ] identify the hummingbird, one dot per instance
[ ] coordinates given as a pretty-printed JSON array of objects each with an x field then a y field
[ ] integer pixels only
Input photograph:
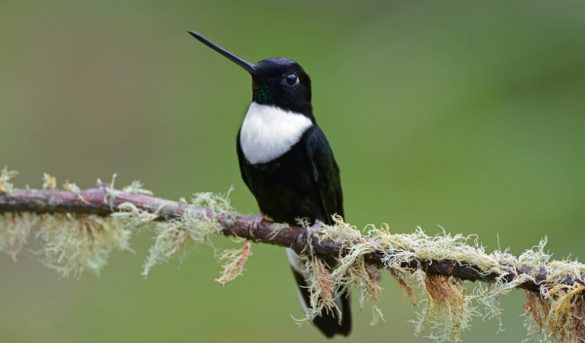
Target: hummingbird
[{"x": 287, "y": 163}]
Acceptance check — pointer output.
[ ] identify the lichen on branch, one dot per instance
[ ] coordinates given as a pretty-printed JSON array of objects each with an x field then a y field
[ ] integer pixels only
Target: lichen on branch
[{"x": 78, "y": 229}]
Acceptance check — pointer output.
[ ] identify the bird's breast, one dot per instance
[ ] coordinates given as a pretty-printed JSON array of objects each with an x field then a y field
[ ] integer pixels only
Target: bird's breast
[{"x": 268, "y": 132}]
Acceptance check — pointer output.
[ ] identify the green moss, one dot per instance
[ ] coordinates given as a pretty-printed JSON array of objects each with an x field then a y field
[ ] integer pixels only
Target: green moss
[
  {"x": 5, "y": 177},
  {"x": 15, "y": 229},
  {"x": 49, "y": 182},
  {"x": 174, "y": 238},
  {"x": 73, "y": 243}
]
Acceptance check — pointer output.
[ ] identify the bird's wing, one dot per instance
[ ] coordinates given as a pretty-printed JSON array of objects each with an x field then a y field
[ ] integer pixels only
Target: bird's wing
[
  {"x": 325, "y": 173},
  {"x": 242, "y": 162}
]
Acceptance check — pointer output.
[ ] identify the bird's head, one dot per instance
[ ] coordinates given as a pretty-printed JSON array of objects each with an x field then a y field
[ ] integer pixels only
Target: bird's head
[{"x": 275, "y": 81}]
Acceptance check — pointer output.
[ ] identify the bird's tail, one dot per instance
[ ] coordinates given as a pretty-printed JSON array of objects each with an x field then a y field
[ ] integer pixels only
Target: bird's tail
[{"x": 328, "y": 322}]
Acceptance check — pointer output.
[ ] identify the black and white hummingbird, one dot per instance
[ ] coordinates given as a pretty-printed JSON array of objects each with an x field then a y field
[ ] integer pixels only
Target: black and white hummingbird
[{"x": 287, "y": 163}]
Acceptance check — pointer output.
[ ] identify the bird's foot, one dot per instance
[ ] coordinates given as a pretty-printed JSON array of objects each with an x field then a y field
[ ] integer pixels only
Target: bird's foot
[
  {"x": 313, "y": 229},
  {"x": 256, "y": 220}
]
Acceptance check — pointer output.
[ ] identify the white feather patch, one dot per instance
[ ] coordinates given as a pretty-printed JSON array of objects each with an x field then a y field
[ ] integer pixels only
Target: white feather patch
[
  {"x": 295, "y": 262},
  {"x": 297, "y": 265},
  {"x": 268, "y": 132}
]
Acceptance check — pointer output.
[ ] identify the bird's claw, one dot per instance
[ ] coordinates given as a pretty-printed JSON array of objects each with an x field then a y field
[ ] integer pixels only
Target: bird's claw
[
  {"x": 313, "y": 229},
  {"x": 256, "y": 220}
]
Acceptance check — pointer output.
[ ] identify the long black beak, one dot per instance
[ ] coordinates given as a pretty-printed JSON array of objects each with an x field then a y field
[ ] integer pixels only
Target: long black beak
[{"x": 239, "y": 61}]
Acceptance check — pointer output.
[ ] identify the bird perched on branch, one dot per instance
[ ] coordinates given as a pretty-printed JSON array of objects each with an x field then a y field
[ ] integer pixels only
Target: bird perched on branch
[{"x": 287, "y": 163}]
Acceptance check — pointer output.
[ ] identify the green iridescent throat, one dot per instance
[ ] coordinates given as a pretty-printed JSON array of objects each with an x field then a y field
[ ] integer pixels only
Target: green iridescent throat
[{"x": 262, "y": 95}]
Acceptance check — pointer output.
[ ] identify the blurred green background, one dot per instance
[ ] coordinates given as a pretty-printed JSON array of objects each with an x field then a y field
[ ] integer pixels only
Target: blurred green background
[{"x": 464, "y": 114}]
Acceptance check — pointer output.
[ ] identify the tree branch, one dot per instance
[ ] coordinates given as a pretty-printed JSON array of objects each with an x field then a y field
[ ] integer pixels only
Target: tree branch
[
  {"x": 554, "y": 288},
  {"x": 94, "y": 201}
]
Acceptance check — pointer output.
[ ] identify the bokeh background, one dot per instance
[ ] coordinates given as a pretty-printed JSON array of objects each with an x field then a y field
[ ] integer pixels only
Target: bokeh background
[{"x": 464, "y": 114}]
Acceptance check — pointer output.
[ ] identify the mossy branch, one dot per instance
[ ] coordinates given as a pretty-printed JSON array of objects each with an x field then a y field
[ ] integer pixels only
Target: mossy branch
[
  {"x": 104, "y": 201},
  {"x": 79, "y": 228}
]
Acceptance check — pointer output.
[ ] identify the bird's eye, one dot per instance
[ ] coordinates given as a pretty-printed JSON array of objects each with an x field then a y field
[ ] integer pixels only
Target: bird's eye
[{"x": 291, "y": 79}]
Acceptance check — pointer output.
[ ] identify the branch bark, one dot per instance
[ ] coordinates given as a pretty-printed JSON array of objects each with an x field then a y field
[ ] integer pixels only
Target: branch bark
[{"x": 104, "y": 201}]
